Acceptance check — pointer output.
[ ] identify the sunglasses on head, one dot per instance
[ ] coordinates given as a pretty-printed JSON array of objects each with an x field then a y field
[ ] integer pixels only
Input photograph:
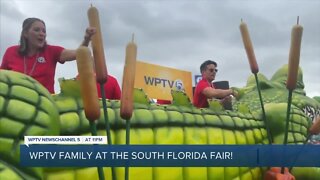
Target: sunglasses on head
[{"x": 213, "y": 70}]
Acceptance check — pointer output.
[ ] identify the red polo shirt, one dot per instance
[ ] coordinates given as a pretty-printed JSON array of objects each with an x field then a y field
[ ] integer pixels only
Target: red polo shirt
[
  {"x": 199, "y": 99},
  {"x": 111, "y": 88},
  {"x": 41, "y": 66}
]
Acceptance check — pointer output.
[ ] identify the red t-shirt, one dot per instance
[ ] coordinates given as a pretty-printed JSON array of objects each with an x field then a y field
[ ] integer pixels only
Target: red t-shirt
[
  {"x": 199, "y": 99},
  {"x": 111, "y": 88},
  {"x": 41, "y": 66}
]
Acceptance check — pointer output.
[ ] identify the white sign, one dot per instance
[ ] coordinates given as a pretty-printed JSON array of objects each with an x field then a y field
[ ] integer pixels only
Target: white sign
[
  {"x": 65, "y": 140},
  {"x": 197, "y": 79}
]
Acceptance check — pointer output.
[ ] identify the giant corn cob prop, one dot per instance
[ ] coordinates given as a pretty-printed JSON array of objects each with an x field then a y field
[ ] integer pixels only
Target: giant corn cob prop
[{"x": 26, "y": 108}]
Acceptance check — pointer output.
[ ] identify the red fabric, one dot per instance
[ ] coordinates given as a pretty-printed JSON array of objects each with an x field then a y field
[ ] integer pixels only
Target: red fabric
[
  {"x": 44, "y": 72},
  {"x": 199, "y": 99},
  {"x": 161, "y": 101},
  {"x": 111, "y": 89}
]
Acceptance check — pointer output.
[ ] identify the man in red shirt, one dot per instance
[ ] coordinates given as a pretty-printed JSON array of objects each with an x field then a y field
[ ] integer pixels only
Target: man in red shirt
[{"x": 205, "y": 89}]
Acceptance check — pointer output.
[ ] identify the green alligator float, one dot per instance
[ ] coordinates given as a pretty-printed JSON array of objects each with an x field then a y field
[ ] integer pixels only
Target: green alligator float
[{"x": 27, "y": 108}]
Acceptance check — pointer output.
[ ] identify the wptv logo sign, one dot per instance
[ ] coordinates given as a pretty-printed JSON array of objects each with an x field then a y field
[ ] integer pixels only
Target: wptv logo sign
[{"x": 157, "y": 81}]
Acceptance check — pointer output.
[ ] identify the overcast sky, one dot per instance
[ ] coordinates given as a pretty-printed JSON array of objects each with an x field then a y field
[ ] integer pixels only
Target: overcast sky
[{"x": 179, "y": 33}]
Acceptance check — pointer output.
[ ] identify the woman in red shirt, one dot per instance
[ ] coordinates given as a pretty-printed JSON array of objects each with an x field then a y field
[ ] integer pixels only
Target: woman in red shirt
[{"x": 34, "y": 57}]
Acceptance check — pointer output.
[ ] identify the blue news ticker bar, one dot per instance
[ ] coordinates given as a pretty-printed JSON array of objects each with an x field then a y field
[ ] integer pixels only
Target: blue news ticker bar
[{"x": 169, "y": 155}]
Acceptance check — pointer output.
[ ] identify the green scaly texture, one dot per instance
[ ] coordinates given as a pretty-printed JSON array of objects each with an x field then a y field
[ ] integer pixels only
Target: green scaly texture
[
  {"x": 26, "y": 108},
  {"x": 178, "y": 123}
]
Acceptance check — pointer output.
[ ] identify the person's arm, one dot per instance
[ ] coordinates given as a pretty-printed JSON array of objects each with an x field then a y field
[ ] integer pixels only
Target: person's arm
[
  {"x": 70, "y": 54},
  {"x": 210, "y": 92}
]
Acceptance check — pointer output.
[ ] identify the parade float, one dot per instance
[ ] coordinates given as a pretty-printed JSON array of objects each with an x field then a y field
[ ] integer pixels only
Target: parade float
[
  {"x": 259, "y": 115},
  {"x": 27, "y": 108}
]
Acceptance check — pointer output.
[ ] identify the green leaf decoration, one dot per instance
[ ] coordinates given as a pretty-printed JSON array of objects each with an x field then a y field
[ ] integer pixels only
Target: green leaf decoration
[
  {"x": 70, "y": 87},
  {"x": 140, "y": 97},
  {"x": 180, "y": 98},
  {"x": 215, "y": 105}
]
